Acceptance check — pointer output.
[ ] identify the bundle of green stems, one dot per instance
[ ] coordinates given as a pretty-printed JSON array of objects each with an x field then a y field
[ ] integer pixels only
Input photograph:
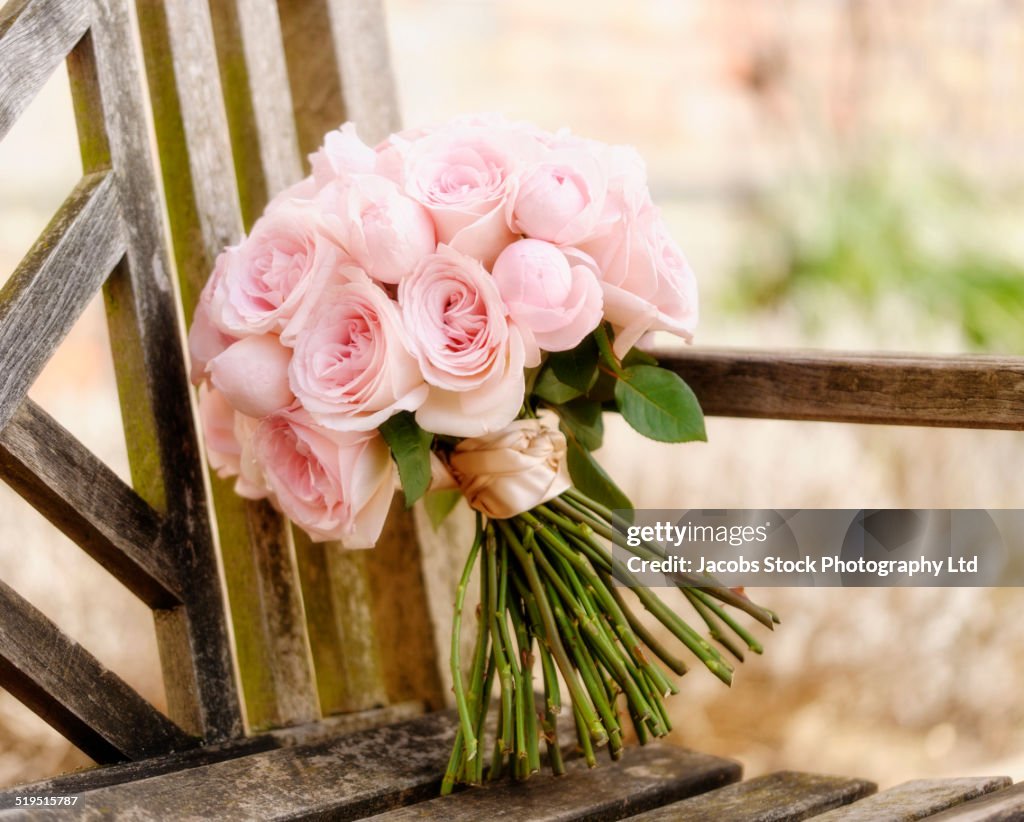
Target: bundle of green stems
[{"x": 551, "y": 588}]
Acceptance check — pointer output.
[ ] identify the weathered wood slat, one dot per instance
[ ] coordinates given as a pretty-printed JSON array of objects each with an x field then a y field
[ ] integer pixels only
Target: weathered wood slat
[
  {"x": 258, "y": 100},
  {"x": 71, "y": 690},
  {"x": 644, "y": 778},
  {"x": 107, "y": 776},
  {"x": 205, "y": 215},
  {"x": 401, "y": 619},
  {"x": 347, "y": 76},
  {"x": 367, "y": 83},
  {"x": 194, "y": 641},
  {"x": 35, "y": 37},
  {"x": 1006, "y": 805},
  {"x": 89, "y": 503},
  {"x": 337, "y": 65},
  {"x": 917, "y": 799},
  {"x": 55, "y": 282},
  {"x": 785, "y": 796},
  {"x": 889, "y": 389},
  {"x": 338, "y": 602},
  {"x": 192, "y": 135},
  {"x": 347, "y": 777}
]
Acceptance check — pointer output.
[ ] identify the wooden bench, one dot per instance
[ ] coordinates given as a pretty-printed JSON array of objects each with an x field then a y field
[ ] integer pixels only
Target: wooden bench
[{"x": 301, "y": 681}]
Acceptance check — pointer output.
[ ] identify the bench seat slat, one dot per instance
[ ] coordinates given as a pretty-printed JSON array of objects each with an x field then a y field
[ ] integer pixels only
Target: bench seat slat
[
  {"x": 55, "y": 282},
  {"x": 1006, "y": 805},
  {"x": 785, "y": 796},
  {"x": 346, "y": 777},
  {"x": 69, "y": 688},
  {"x": 382, "y": 771},
  {"x": 887, "y": 389},
  {"x": 643, "y": 778},
  {"x": 916, "y": 799},
  {"x": 85, "y": 499}
]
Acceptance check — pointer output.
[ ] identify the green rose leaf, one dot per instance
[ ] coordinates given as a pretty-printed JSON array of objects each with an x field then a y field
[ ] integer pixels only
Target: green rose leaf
[
  {"x": 603, "y": 389},
  {"x": 590, "y": 478},
  {"x": 578, "y": 367},
  {"x": 439, "y": 504},
  {"x": 582, "y": 419},
  {"x": 636, "y": 356},
  {"x": 659, "y": 405},
  {"x": 548, "y": 387},
  {"x": 410, "y": 446}
]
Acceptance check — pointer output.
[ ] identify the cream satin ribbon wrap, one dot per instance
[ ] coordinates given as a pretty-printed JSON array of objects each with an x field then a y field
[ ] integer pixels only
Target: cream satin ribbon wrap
[{"x": 512, "y": 470}]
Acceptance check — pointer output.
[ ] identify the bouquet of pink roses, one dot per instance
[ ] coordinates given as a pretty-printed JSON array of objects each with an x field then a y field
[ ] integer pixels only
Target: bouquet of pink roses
[{"x": 452, "y": 311}]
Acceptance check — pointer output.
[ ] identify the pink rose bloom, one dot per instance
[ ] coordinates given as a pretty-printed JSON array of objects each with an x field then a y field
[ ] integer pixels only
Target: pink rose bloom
[
  {"x": 304, "y": 190},
  {"x": 384, "y": 231},
  {"x": 334, "y": 485},
  {"x": 463, "y": 176},
  {"x": 227, "y": 435},
  {"x": 553, "y": 295},
  {"x": 647, "y": 283},
  {"x": 263, "y": 279},
  {"x": 205, "y": 340},
  {"x": 352, "y": 367},
  {"x": 561, "y": 198},
  {"x": 342, "y": 153},
  {"x": 252, "y": 374},
  {"x": 467, "y": 350},
  {"x": 217, "y": 416}
]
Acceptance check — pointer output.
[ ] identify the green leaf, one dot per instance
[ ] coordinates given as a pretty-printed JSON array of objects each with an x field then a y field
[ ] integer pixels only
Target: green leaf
[
  {"x": 637, "y": 356},
  {"x": 604, "y": 389},
  {"x": 439, "y": 504},
  {"x": 578, "y": 367},
  {"x": 659, "y": 405},
  {"x": 548, "y": 387},
  {"x": 590, "y": 478},
  {"x": 582, "y": 419},
  {"x": 410, "y": 446}
]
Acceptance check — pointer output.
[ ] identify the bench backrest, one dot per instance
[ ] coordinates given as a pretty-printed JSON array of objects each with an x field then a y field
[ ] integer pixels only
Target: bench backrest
[{"x": 241, "y": 91}]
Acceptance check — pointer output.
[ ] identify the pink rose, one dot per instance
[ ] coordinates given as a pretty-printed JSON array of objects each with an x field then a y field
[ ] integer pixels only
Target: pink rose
[
  {"x": 553, "y": 294},
  {"x": 263, "y": 279},
  {"x": 560, "y": 199},
  {"x": 463, "y": 175},
  {"x": 253, "y": 375},
  {"x": 342, "y": 153},
  {"x": 334, "y": 485},
  {"x": 205, "y": 340},
  {"x": 468, "y": 352},
  {"x": 305, "y": 189},
  {"x": 384, "y": 231},
  {"x": 217, "y": 416},
  {"x": 646, "y": 281},
  {"x": 352, "y": 367},
  {"x": 228, "y": 435}
]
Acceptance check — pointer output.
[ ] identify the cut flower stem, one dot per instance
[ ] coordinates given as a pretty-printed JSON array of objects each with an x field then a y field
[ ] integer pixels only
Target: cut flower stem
[{"x": 550, "y": 595}]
